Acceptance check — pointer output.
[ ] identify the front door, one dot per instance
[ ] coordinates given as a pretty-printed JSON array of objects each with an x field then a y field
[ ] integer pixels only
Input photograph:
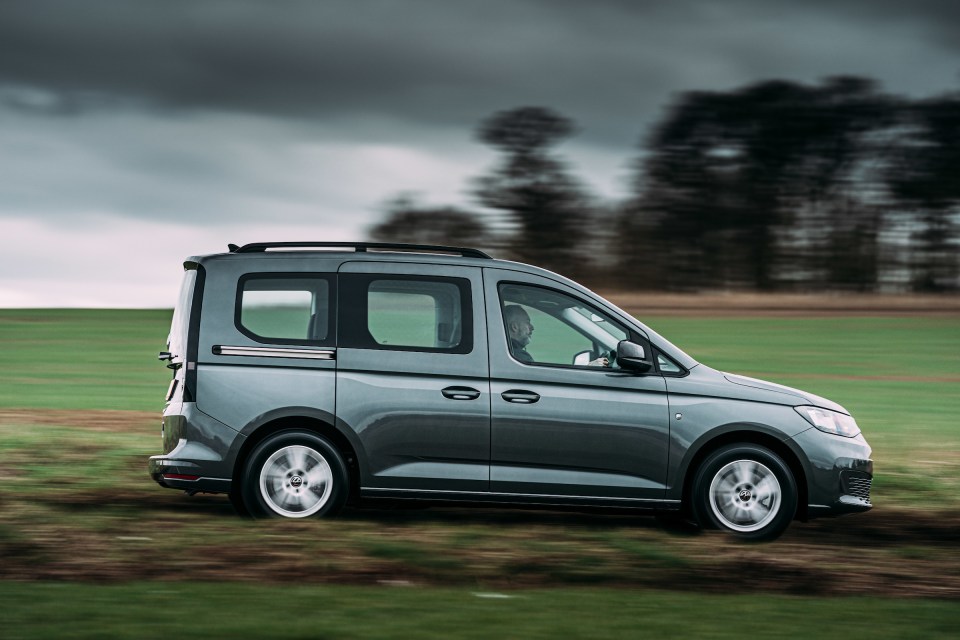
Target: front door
[
  {"x": 413, "y": 377},
  {"x": 564, "y": 421}
]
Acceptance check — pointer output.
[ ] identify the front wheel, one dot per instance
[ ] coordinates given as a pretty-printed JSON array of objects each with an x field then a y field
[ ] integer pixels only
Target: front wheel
[
  {"x": 294, "y": 474},
  {"x": 746, "y": 490}
]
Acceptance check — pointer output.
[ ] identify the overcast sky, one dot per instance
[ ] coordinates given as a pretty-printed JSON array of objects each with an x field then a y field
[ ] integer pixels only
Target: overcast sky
[{"x": 136, "y": 133}]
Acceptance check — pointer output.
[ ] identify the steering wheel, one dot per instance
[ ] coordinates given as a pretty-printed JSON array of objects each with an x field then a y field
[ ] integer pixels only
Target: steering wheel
[{"x": 612, "y": 358}]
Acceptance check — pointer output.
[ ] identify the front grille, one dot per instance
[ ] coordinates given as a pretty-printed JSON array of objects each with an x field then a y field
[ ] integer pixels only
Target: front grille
[{"x": 857, "y": 485}]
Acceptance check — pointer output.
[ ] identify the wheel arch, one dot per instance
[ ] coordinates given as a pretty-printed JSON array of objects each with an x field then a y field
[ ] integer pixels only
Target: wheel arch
[
  {"x": 302, "y": 421},
  {"x": 697, "y": 455}
]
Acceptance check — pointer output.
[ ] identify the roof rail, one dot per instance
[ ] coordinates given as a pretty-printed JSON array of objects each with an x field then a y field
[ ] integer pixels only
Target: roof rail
[{"x": 360, "y": 247}]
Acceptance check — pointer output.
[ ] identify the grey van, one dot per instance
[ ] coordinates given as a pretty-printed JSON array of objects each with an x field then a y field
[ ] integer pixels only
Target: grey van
[{"x": 307, "y": 375}]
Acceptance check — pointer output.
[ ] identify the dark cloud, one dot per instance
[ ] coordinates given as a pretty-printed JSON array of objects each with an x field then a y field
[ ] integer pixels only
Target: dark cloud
[
  {"x": 165, "y": 128},
  {"x": 610, "y": 65},
  {"x": 157, "y": 107}
]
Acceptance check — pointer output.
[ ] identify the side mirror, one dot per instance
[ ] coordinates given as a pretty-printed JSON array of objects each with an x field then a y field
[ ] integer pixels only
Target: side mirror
[{"x": 633, "y": 356}]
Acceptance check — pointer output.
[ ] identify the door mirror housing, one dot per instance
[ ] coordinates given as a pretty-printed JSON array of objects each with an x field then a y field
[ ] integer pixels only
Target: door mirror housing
[{"x": 634, "y": 357}]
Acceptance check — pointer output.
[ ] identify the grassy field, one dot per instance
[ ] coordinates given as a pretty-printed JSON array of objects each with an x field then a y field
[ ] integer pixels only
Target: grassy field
[
  {"x": 899, "y": 377},
  {"x": 158, "y": 610},
  {"x": 83, "y": 359},
  {"x": 76, "y": 506}
]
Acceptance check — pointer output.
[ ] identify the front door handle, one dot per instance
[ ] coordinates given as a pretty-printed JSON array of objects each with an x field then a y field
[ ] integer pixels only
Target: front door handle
[
  {"x": 460, "y": 393},
  {"x": 520, "y": 396}
]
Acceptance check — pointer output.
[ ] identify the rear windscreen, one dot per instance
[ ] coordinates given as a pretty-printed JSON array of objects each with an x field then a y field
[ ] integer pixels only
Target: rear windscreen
[{"x": 180, "y": 327}]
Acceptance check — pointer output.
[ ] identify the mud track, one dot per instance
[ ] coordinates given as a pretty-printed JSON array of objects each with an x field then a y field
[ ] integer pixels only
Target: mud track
[
  {"x": 163, "y": 535},
  {"x": 85, "y": 529}
]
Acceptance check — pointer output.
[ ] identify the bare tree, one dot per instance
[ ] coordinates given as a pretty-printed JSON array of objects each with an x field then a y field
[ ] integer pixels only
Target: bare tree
[
  {"x": 546, "y": 206},
  {"x": 750, "y": 188},
  {"x": 406, "y": 221},
  {"x": 925, "y": 181}
]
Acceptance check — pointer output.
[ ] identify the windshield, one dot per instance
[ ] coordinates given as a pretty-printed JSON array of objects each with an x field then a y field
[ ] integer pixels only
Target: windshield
[{"x": 180, "y": 326}]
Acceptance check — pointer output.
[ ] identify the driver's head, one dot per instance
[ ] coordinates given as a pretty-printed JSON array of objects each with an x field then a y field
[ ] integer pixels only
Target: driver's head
[{"x": 518, "y": 324}]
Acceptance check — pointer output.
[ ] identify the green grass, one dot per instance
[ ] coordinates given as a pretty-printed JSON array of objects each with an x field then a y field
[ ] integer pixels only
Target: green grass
[
  {"x": 161, "y": 610},
  {"x": 83, "y": 358},
  {"x": 79, "y": 459},
  {"x": 904, "y": 372},
  {"x": 899, "y": 376},
  {"x": 85, "y": 510},
  {"x": 822, "y": 346}
]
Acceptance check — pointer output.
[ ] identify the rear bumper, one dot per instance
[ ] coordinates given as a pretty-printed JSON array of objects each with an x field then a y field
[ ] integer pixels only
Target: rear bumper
[
  {"x": 183, "y": 474},
  {"x": 199, "y": 451}
]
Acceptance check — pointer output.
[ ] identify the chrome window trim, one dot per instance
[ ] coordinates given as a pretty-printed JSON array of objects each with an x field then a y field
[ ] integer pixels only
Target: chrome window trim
[{"x": 274, "y": 352}]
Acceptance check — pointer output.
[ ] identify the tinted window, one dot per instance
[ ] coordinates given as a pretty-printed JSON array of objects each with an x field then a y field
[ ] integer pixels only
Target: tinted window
[
  {"x": 285, "y": 309},
  {"x": 411, "y": 313}
]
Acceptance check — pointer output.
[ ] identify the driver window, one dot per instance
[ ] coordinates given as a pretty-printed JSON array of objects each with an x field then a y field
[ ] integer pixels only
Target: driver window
[{"x": 548, "y": 327}]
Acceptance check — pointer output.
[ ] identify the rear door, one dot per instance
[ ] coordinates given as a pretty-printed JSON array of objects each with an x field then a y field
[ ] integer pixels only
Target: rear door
[{"x": 413, "y": 376}]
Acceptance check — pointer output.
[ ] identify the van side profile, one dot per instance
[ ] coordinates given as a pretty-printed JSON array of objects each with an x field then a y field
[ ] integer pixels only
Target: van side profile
[{"x": 307, "y": 375}]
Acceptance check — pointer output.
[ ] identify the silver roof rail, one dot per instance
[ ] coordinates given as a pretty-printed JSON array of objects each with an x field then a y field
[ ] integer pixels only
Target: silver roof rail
[{"x": 361, "y": 247}]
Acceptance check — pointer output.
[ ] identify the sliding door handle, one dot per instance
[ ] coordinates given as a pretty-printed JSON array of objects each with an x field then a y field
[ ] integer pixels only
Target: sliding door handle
[
  {"x": 520, "y": 396},
  {"x": 460, "y": 393}
]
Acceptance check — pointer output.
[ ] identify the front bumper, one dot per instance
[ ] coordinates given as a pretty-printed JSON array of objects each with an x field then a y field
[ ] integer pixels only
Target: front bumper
[{"x": 840, "y": 473}]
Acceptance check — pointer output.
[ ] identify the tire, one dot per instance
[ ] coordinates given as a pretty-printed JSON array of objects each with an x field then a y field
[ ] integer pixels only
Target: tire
[
  {"x": 747, "y": 491},
  {"x": 294, "y": 474},
  {"x": 236, "y": 499}
]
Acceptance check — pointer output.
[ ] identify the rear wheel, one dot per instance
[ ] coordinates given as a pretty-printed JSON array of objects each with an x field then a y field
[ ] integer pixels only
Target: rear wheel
[
  {"x": 746, "y": 490},
  {"x": 294, "y": 474},
  {"x": 236, "y": 499}
]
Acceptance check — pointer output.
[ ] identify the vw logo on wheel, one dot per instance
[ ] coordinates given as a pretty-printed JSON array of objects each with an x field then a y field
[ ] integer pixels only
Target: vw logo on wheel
[{"x": 745, "y": 495}]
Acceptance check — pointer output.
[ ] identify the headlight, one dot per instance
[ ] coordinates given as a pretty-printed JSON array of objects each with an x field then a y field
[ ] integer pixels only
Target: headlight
[{"x": 834, "y": 422}]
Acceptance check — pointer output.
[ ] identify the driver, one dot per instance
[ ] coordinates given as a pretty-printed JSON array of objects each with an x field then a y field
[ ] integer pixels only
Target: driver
[{"x": 520, "y": 330}]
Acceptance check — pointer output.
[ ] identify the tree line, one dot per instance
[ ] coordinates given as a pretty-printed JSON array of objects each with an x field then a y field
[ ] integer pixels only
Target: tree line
[{"x": 776, "y": 186}]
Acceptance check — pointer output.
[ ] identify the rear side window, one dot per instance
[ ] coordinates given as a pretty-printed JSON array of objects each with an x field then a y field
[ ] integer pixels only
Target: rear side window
[
  {"x": 406, "y": 313},
  {"x": 286, "y": 309}
]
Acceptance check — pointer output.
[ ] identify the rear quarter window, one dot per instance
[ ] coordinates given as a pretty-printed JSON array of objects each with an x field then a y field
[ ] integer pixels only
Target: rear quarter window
[{"x": 286, "y": 309}]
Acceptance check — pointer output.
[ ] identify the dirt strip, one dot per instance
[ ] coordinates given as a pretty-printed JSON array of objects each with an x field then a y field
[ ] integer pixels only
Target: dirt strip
[
  {"x": 92, "y": 419},
  {"x": 162, "y": 535}
]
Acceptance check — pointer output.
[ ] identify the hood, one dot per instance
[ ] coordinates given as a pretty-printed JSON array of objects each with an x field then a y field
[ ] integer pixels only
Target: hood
[{"x": 804, "y": 396}]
